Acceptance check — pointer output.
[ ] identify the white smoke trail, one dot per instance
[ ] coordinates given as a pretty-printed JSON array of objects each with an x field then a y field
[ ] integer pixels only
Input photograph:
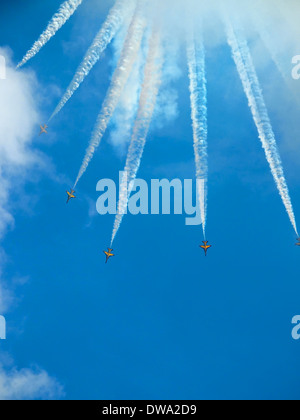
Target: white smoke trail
[
  {"x": 64, "y": 13},
  {"x": 149, "y": 93},
  {"x": 118, "y": 13},
  {"x": 128, "y": 56},
  {"x": 247, "y": 72},
  {"x": 198, "y": 94}
]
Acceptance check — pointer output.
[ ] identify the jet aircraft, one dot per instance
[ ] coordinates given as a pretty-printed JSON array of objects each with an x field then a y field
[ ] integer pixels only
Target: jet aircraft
[
  {"x": 43, "y": 129},
  {"x": 205, "y": 247},
  {"x": 70, "y": 195},
  {"x": 108, "y": 254}
]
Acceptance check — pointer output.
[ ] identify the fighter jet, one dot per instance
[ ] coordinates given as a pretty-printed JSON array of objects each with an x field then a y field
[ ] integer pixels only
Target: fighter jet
[
  {"x": 298, "y": 244},
  {"x": 70, "y": 195},
  {"x": 108, "y": 254},
  {"x": 205, "y": 247},
  {"x": 43, "y": 129}
]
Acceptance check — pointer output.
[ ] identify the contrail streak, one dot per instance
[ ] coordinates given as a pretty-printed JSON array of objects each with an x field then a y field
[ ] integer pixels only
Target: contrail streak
[
  {"x": 64, "y": 13},
  {"x": 150, "y": 89},
  {"x": 115, "y": 19},
  {"x": 198, "y": 94},
  {"x": 128, "y": 57},
  {"x": 247, "y": 72}
]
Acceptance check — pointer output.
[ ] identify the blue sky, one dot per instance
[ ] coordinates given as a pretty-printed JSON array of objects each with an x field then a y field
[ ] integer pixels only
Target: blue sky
[{"x": 160, "y": 321}]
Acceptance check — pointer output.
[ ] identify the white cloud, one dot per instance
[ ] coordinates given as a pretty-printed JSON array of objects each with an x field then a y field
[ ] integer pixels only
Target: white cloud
[
  {"x": 27, "y": 384},
  {"x": 19, "y": 122},
  {"x": 19, "y": 115},
  {"x": 19, "y": 119}
]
